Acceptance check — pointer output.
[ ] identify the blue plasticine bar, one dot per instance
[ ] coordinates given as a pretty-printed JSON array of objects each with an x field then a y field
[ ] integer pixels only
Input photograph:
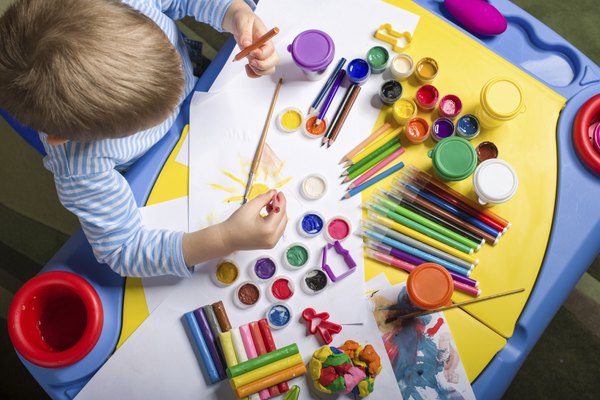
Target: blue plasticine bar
[{"x": 211, "y": 370}]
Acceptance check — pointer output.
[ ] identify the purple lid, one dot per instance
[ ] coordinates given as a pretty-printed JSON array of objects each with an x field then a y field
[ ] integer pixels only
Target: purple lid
[
  {"x": 442, "y": 128},
  {"x": 312, "y": 50},
  {"x": 596, "y": 138}
]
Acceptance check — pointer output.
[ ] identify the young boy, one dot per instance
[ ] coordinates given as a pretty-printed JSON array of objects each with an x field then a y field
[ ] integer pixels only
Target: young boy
[{"x": 102, "y": 81}]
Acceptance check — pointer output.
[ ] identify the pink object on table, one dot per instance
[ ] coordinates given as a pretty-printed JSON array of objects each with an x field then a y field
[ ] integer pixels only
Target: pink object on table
[
  {"x": 377, "y": 168},
  {"x": 477, "y": 16}
]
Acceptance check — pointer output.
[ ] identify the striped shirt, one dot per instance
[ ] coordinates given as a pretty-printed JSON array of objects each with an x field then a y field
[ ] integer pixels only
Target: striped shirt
[{"x": 87, "y": 175}]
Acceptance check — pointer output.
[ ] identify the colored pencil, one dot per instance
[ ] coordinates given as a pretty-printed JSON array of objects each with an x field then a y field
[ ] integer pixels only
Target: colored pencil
[
  {"x": 262, "y": 360},
  {"x": 271, "y": 380},
  {"x": 342, "y": 113},
  {"x": 326, "y": 87},
  {"x": 261, "y": 144},
  {"x": 372, "y": 163},
  {"x": 420, "y": 228},
  {"x": 210, "y": 343},
  {"x": 359, "y": 147},
  {"x": 201, "y": 347},
  {"x": 329, "y": 99},
  {"x": 261, "y": 349},
  {"x": 461, "y": 304},
  {"x": 376, "y": 168},
  {"x": 256, "y": 44},
  {"x": 384, "y": 230},
  {"x": 373, "y": 180},
  {"x": 394, "y": 141},
  {"x": 267, "y": 336},
  {"x": 375, "y": 145},
  {"x": 416, "y": 252},
  {"x": 413, "y": 198},
  {"x": 420, "y": 238}
]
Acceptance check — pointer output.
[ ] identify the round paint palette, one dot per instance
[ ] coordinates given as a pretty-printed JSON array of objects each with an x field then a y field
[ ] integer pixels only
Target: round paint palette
[
  {"x": 246, "y": 295},
  {"x": 311, "y": 224},
  {"x": 338, "y": 228},
  {"x": 314, "y": 281},
  {"x": 281, "y": 289},
  {"x": 263, "y": 269},
  {"x": 313, "y": 187},
  {"x": 279, "y": 315},
  {"x": 296, "y": 256},
  {"x": 226, "y": 273},
  {"x": 290, "y": 119}
]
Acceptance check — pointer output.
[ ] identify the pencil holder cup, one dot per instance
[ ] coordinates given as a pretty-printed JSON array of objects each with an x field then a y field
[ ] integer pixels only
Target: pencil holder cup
[
  {"x": 55, "y": 319},
  {"x": 312, "y": 51}
]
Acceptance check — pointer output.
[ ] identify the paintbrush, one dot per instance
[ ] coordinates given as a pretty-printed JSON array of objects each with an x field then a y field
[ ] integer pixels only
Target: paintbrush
[{"x": 261, "y": 144}]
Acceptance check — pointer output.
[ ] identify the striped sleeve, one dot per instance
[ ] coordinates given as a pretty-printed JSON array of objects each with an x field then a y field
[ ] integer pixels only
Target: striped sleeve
[
  {"x": 111, "y": 221},
  {"x": 209, "y": 11}
]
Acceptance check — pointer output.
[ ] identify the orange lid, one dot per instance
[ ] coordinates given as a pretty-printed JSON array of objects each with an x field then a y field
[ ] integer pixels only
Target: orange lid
[{"x": 430, "y": 286}]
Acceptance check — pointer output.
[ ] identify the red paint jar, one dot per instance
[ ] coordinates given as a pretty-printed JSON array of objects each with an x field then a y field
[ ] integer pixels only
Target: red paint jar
[{"x": 427, "y": 97}]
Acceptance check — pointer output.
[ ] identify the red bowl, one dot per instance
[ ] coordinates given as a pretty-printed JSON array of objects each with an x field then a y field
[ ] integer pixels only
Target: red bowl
[{"x": 55, "y": 319}]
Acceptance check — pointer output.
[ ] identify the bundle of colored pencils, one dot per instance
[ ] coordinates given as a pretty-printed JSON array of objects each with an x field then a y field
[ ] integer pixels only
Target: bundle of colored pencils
[
  {"x": 365, "y": 162},
  {"x": 423, "y": 220}
]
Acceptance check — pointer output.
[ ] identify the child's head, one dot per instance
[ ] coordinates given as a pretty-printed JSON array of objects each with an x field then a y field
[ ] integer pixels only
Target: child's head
[{"x": 86, "y": 69}]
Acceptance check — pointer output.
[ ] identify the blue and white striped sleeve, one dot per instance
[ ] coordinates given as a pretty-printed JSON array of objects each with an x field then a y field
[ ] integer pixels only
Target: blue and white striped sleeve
[
  {"x": 209, "y": 11},
  {"x": 111, "y": 221}
]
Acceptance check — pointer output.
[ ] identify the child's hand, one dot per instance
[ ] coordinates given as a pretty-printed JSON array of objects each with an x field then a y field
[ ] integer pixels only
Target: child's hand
[
  {"x": 246, "y": 229},
  {"x": 246, "y": 27}
]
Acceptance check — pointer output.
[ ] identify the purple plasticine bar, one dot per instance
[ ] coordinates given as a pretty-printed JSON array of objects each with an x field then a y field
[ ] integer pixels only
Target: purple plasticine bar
[
  {"x": 210, "y": 342},
  {"x": 348, "y": 260}
]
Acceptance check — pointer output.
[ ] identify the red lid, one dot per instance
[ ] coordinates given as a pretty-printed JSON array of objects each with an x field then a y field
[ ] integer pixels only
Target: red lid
[{"x": 430, "y": 286}]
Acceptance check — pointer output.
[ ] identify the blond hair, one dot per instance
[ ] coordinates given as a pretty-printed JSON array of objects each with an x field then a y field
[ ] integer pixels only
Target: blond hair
[{"x": 86, "y": 69}]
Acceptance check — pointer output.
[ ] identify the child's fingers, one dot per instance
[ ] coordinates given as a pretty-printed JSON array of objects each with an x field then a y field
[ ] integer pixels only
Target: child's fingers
[
  {"x": 264, "y": 66},
  {"x": 260, "y": 201},
  {"x": 250, "y": 72}
]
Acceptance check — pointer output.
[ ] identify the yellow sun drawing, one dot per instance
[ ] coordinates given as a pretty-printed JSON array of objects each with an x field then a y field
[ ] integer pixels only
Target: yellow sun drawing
[{"x": 268, "y": 177}]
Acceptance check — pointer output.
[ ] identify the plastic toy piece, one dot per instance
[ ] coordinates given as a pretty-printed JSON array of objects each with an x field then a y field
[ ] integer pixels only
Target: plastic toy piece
[
  {"x": 581, "y": 139},
  {"x": 318, "y": 322},
  {"x": 387, "y": 34},
  {"x": 477, "y": 16},
  {"x": 350, "y": 263}
]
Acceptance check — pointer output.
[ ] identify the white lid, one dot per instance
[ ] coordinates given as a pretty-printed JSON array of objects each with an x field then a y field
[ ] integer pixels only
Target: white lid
[
  {"x": 495, "y": 181},
  {"x": 313, "y": 187}
]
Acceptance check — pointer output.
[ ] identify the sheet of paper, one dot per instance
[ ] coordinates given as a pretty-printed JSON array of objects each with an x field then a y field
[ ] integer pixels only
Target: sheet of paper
[
  {"x": 159, "y": 362},
  {"x": 183, "y": 157},
  {"x": 226, "y": 126}
]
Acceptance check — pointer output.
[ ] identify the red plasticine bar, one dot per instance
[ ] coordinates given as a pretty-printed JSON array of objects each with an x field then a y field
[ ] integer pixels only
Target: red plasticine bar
[
  {"x": 261, "y": 349},
  {"x": 263, "y": 325}
]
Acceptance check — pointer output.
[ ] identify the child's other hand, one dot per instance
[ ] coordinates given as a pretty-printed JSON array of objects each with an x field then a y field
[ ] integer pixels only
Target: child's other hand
[
  {"x": 246, "y": 27},
  {"x": 246, "y": 229}
]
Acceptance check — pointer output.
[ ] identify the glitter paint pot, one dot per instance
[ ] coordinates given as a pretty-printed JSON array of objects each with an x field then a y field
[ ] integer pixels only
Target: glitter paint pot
[
  {"x": 311, "y": 224},
  {"x": 281, "y": 289},
  {"x": 279, "y": 315},
  {"x": 246, "y": 295},
  {"x": 263, "y": 269},
  {"x": 226, "y": 273},
  {"x": 312, "y": 51},
  {"x": 314, "y": 281},
  {"x": 296, "y": 256}
]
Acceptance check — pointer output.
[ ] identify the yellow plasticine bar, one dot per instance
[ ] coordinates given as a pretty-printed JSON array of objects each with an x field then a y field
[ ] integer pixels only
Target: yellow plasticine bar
[
  {"x": 387, "y": 34},
  {"x": 267, "y": 370},
  {"x": 228, "y": 349}
]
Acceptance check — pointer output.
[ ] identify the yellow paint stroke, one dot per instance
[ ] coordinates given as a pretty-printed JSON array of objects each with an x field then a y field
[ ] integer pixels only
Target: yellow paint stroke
[
  {"x": 282, "y": 182},
  {"x": 223, "y": 188},
  {"x": 278, "y": 170},
  {"x": 234, "y": 178}
]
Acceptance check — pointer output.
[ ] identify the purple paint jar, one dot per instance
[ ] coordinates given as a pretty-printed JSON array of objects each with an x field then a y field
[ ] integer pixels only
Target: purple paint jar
[
  {"x": 442, "y": 128},
  {"x": 263, "y": 268},
  {"x": 312, "y": 51}
]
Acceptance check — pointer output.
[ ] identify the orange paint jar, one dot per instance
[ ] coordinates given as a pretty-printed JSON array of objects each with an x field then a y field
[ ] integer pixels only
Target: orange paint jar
[
  {"x": 430, "y": 286},
  {"x": 417, "y": 130}
]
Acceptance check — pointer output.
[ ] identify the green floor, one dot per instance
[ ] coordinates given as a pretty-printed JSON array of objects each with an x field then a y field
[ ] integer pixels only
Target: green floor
[{"x": 564, "y": 364}]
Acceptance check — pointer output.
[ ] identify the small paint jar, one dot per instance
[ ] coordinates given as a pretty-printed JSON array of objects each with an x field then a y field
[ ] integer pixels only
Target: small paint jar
[
  {"x": 403, "y": 110},
  {"x": 486, "y": 151},
  {"x": 501, "y": 100},
  {"x": 312, "y": 51},
  {"x": 453, "y": 159},
  {"x": 390, "y": 92},
  {"x": 338, "y": 228},
  {"x": 428, "y": 287},
  {"x": 295, "y": 256},
  {"x": 358, "y": 71},
  {"x": 467, "y": 126},
  {"x": 281, "y": 289},
  {"x": 450, "y": 106},
  {"x": 311, "y": 224},
  {"x": 263, "y": 269},
  {"x": 246, "y": 295},
  {"x": 279, "y": 315},
  {"x": 427, "y": 97},
  {"x": 442, "y": 128},
  {"x": 311, "y": 129},
  {"x": 426, "y": 70},
  {"x": 494, "y": 182},
  {"x": 226, "y": 273},
  {"x": 313, "y": 187},
  {"x": 402, "y": 67},
  {"x": 417, "y": 130},
  {"x": 378, "y": 58},
  {"x": 290, "y": 119},
  {"x": 314, "y": 281}
]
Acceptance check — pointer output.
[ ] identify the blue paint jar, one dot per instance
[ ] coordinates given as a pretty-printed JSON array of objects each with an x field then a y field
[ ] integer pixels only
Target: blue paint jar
[
  {"x": 467, "y": 126},
  {"x": 358, "y": 71}
]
